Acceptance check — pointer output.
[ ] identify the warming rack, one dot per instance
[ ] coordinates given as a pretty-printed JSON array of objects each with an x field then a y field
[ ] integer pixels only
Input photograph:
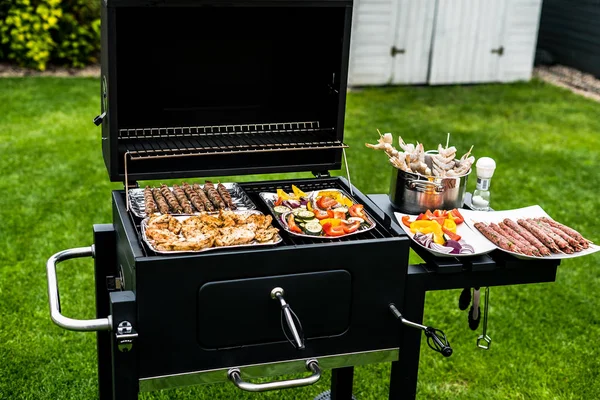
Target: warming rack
[{"x": 150, "y": 143}]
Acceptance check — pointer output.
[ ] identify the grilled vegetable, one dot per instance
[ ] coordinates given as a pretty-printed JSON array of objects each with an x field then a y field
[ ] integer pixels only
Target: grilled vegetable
[
  {"x": 305, "y": 215},
  {"x": 313, "y": 228},
  {"x": 350, "y": 227},
  {"x": 331, "y": 230},
  {"x": 292, "y": 224},
  {"x": 280, "y": 210},
  {"x": 357, "y": 210}
]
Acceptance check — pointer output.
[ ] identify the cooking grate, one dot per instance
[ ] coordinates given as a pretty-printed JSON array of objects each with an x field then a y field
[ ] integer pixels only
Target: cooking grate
[{"x": 149, "y": 143}]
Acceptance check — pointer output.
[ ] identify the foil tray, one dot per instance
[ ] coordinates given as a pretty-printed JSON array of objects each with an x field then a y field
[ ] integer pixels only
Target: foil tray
[
  {"x": 238, "y": 196},
  {"x": 276, "y": 239},
  {"x": 270, "y": 198}
]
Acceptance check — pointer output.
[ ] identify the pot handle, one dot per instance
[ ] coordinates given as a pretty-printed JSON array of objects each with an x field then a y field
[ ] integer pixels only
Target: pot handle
[
  {"x": 102, "y": 324},
  {"x": 424, "y": 186},
  {"x": 312, "y": 365}
]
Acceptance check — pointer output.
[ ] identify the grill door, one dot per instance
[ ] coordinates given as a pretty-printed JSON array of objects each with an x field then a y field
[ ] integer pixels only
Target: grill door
[{"x": 241, "y": 312}]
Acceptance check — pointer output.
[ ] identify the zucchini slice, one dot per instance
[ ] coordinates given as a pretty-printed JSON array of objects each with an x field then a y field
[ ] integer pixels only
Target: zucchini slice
[
  {"x": 280, "y": 209},
  {"x": 306, "y": 215},
  {"x": 313, "y": 228}
]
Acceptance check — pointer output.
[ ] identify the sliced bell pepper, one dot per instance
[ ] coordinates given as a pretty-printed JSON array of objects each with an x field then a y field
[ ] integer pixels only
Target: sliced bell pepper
[
  {"x": 406, "y": 220},
  {"x": 309, "y": 206},
  {"x": 292, "y": 224},
  {"x": 279, "y": 201},
  {"x": 450, "y": 225},
  {"x": 331, "y": 230},
  {"x": 357, "y": 210},
  {"x": 332, "y": 221},
  {"x": 284, "y": 196},
  {"x": 451, "y": 235},
  {"x": 298, "y": 193},
  {"x": 456, "y": 216},
  {"x": 350, "y": 227},
  {"x": 421, "y": 217},
  {"x": 325, "y": 203},
  {"x": 440, "y": 213},
  {"x": 320, "y": 214}
]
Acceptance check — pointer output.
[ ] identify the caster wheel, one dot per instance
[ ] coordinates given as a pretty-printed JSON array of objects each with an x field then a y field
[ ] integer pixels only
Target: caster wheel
[{"x": 327, "y": 396}]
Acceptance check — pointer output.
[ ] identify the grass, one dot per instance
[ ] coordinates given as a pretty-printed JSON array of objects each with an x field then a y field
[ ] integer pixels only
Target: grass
[{"x": 545, "y": 141}]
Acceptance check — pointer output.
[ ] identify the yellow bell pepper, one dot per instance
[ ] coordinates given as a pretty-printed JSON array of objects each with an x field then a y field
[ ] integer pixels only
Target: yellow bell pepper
[
  {"x": 450, "y": 225},
  {"x": 427, "y": 226},
  {"x": 298, "y": 193},
  {"x": 332, "y": 221},
  {"x": 283, "y": 195}
]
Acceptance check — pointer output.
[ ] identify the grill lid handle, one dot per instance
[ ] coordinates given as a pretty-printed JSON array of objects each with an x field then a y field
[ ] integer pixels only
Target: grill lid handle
[
  {"x": 436, "y": 339},
  {"x": 101, "y": 324},
  {"x": 312, "y": 365}
]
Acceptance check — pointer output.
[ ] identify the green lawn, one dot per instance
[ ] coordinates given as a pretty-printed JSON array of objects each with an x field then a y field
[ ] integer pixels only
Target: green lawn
[{"x": 545, "y": 140}]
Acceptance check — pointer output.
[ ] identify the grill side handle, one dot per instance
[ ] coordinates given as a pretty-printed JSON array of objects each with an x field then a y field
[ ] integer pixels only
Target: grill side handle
[
  {"x": 436, "y": 339},
  {"x": 312, "y": 365},
  {"x": 101, "y": 324}
]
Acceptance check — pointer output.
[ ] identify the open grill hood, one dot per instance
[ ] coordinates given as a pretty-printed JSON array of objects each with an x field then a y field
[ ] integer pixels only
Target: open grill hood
[{"x": 241, "y": 88}]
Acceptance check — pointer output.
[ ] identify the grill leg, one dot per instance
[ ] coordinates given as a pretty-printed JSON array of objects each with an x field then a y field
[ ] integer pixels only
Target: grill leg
[
  {"x": 124, "y": 363},
  {"x": 341, "y": 383},
  {"x": 405, "y": 371},
  {"x": 104, "y": 265}
]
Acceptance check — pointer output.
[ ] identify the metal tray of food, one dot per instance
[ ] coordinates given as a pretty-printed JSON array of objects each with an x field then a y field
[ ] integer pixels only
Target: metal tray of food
[
  {"x": 310, "y": 201},
  {"x": 239, "y": 198},
  {"x": 176, "y": 234}
]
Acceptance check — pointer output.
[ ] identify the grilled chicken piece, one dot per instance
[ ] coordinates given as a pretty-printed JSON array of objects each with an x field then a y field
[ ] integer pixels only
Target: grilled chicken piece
[
  {"x": 160, "y": 236},
  {"x": 264, "y": 235},
  {"x": 231, "y": 236}
]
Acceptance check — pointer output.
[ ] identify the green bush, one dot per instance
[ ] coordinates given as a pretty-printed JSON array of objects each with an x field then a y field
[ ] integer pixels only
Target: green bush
[{"x": 64, "y": 32}]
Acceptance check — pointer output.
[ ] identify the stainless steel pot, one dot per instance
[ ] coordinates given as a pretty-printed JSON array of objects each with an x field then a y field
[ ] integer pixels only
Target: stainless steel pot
[{"x": 413, "y": 193}]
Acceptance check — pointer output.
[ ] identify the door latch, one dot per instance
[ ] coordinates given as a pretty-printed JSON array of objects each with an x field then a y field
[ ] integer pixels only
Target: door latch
[
  {"x": 125, "y": 335},
  {"x": 396, "y": 50},
  {"x": 499, "y": 51}
]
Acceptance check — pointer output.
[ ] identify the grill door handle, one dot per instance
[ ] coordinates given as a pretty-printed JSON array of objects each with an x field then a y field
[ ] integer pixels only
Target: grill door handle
[
  {"x": 101, "y": 324},
  {"x": 312, "y": 365}
]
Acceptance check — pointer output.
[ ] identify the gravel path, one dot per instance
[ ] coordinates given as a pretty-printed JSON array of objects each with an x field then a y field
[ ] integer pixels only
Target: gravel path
[
  {"x": 578, "y": 82},
  {"x": 9, "y": 70}
]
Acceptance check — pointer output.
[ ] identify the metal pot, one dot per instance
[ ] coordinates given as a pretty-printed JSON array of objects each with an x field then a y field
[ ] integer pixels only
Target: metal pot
[{"x": 413, "y": 193}]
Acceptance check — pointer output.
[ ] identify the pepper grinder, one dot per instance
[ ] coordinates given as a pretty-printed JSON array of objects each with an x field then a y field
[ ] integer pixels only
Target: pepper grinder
[{"x": 481, "y": 196}]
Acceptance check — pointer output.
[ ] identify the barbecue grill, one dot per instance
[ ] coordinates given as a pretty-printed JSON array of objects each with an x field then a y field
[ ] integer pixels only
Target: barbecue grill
[
  {"x": 197, "y": 88},
  {"x": 207, "y": 88}
]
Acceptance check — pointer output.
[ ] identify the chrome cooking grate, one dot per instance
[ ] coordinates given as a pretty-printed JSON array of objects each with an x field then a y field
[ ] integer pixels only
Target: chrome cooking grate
[{"x": 226, "y": 139}]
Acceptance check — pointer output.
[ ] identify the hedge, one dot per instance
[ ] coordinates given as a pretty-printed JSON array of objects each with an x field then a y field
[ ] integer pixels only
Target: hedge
[{"x": 62, "y": 32}]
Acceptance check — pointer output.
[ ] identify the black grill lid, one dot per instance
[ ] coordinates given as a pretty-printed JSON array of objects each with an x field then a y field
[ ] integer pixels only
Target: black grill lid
[{"x": 229, "y": 90}]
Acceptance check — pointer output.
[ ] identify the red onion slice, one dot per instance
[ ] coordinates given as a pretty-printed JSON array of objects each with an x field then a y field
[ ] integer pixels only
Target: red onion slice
[
  {"x": 441, "y": 249},
  {"x": 467, "y": 249}
]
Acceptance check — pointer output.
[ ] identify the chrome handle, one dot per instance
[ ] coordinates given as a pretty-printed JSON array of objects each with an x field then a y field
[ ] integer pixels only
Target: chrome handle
[
  {"x": 436, "y": 339},
  {"x": 312, "y": 365},
  {"x": 424, "y": 186},
  {"x": 277, "y": 293},
  {"x": 101, "y": 324}
]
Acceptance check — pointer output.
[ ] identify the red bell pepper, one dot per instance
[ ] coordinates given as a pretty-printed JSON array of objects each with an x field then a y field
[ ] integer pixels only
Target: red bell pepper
[
  {"x": 331, "y": 230},
  {"x": 456, "y": 216},
  {"x": 325, "y": 203},
  {"x": 357, "y": 210},
  {"x": 292, "y": 224},
  {"x": 320, "y": 214},
  {"x": 451, "y": 234},
  {"x": 350, "y": 227},
  {"x": 406, "y": 220},
  {"x": 279, "y": 201}
]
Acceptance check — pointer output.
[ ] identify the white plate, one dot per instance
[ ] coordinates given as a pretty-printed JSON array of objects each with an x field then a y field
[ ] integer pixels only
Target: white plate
[
  {"x": 471, "y": 217},
  {"x": 480, "y": 244}
]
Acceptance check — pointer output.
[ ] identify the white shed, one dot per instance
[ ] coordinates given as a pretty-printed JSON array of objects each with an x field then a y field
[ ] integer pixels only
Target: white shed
[{"x": 442, "y": 41}]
